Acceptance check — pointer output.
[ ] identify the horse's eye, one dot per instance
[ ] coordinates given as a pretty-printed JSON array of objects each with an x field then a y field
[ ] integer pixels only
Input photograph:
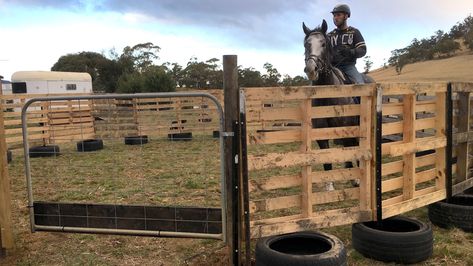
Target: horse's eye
[{"x": 323, "y": 44}]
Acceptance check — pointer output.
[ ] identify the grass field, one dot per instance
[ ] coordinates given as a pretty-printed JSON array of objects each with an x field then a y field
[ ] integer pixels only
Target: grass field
[{"x": 159, "y": 173}]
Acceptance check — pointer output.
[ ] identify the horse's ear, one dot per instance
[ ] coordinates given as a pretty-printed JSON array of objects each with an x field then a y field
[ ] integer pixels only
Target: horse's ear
[
  {"x": 324, "y": 27},
  {"x": 306, "y": 30}
]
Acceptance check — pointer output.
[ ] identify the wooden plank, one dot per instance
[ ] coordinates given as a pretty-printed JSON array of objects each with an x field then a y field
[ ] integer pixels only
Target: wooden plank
[
  {"x": 426, "y": 160},
  {"x": 425, "y": 191},
  {"x": 285, "y": 136},
  {"x": 420, "y": 145},
  {"x": 278, "y": 203},
  {"x": 306, "y": 146},
  {"x": 280, "y": 114},
  {"x": 366, "y": 140},
  {"x": 323, "y": 219},
  {"x": 6, "y": 226},
  {"x": 392, "y": 184},
  {"x": 20, "y": 130},
  {"x": 334, "y": 155},
  {"x": 392, "y": 201},
  {"x": 462, "y": 186},
  {"x": 462, "y": 87},
  {"x": 336, "y": 195},
  {"x": 345, "y": 174},
  {"x": 426, "y": 106},
  {"x": 30, "y": 137},
  {"x": 392, "y": 108},
  {"x": 425, "y": 123},
  {"x": 309, "y": 92},
  {"x": 405, "y": 206},
  {"x": 426, "y": 176},
  {"x": 463, "y": 126},
  {"x": 409, "y": 136},
  {"x": 440, "y": 129},
  {"x": 392, "y": 128},
  {"x": 391, "y": 167},
  {"x": 29, "y": 121},
  {"x": 274, "y": 182},
  {"x": 412, "y": 88},
  {"x": 336, "y": 111},
  {"x": 335, "y": 132}
]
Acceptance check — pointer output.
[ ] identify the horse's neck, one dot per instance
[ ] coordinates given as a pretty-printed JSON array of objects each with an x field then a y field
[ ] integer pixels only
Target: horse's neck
[{"x": 328, "y": 79}]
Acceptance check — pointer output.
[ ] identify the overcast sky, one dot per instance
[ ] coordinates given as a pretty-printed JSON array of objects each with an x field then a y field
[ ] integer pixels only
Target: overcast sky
[{"x": 35, "y": 33}]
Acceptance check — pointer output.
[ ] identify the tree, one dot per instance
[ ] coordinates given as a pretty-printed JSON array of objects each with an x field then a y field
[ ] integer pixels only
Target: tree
[
  {"x": 104, "y": 72},
  {"x": 272, "y": 76},
  {"x": 368, "y": 64},
  {"x": 250, "y": 77},
  {"x": 139, "y": 57},
  {"x": 153, "y": 79}
]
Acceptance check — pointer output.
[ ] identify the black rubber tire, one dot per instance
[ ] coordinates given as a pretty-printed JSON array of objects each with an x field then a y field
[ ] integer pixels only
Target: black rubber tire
[
  {"x": 136, "y": 140},
  {"x": 468, "y": 191},
  {"x": 304, "y": 248},
  {"x": 180, "y": 136},
  {"x": 397, "y": 239},
  {"x": 89, "y": 145},
  {"x": 44, "y": 151},
  {"x": 9, "y": 156},
  {"x": 458, "y": 212}
]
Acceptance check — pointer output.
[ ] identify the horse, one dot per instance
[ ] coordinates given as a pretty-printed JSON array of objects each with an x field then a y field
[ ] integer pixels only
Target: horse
[{"x": 318, "y": 67}]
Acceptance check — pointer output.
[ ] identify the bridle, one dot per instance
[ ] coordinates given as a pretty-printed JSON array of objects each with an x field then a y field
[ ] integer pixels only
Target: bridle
[{"x": 322, "y": 66}]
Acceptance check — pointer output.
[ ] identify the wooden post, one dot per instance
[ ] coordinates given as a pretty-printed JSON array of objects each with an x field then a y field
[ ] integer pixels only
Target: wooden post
[
  {"x": 306, "y": 146},
  {"x": 409, "y": 136},
  {"x": 463, "y": 126},
  {"x": 231, "y": 113},
  {"x": 6, "y": 234},
  {"x": 440, "y": 129},
  {"x": 366, "y": 140}
]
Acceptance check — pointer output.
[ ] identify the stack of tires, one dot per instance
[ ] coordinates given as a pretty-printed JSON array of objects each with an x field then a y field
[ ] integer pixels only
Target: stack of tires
[
  {"x": 397, "y": 239},
  {"x": 455, "y": 212}
]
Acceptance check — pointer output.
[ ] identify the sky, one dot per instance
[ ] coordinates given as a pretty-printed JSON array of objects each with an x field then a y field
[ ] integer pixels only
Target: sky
[{"x": 35, "y": 33}]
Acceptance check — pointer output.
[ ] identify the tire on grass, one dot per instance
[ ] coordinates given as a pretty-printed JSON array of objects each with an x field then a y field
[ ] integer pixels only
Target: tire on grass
[
  {"x": 304, "y": 248},
  {"x": 397, "y": 239},
  {"x": 89, "y": 145},
  {"x": 457, "y": 212},
  {"x": 180, "y": 136},
  {"x": 44, "y": 151},
  {"x": 136, "y": 140}
]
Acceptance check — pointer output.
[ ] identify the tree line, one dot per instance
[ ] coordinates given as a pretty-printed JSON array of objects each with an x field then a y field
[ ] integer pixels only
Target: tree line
[
  {"x": 135, "y": 70},
  {"x": 439, "y": 45}
]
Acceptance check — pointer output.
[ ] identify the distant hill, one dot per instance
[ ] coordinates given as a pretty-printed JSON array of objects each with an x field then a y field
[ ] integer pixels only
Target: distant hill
[{"x": 457, "y": 68}]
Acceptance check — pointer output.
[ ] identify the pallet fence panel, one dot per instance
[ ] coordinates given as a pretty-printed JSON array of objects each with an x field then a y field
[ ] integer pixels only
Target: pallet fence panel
[
  {"x": 48, "y": 122},
  {"x": 288, "y": 186},
  {"x": 414, "y": 141},
  {"x": 463, "y": 137}
]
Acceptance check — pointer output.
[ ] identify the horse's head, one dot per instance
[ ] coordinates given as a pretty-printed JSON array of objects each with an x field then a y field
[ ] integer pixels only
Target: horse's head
[{"x": 316, "y": 51}]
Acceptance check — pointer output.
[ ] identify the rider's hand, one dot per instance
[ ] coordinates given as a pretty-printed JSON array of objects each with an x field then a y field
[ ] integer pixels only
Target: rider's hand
[{"x": 347, "y": 52}]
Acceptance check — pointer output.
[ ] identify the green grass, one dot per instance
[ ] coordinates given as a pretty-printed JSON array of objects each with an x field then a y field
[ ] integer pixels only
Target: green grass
[{"x": 159, "y": 173}]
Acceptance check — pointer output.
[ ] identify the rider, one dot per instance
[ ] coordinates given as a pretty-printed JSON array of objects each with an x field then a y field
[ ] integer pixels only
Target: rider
[{"x": 348, "y": 44}]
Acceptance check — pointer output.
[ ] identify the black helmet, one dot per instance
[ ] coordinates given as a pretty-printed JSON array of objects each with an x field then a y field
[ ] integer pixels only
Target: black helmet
[{"x": 342, "y": 8}]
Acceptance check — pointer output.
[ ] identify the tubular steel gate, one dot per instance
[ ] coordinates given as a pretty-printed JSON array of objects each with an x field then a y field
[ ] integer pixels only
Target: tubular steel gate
[{"x": 178, "y": 125}]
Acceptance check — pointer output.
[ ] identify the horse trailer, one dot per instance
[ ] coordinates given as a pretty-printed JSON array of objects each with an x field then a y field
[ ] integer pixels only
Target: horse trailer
[{"x": 50, "y": 82}]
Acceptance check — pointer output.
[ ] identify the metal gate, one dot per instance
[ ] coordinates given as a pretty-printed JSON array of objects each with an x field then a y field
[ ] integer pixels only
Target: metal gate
[{"x": 138, "y": 118}]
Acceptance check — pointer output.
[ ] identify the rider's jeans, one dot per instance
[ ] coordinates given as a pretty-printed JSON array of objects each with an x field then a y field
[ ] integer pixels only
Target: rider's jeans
[{"x": 352, "y": 73}]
